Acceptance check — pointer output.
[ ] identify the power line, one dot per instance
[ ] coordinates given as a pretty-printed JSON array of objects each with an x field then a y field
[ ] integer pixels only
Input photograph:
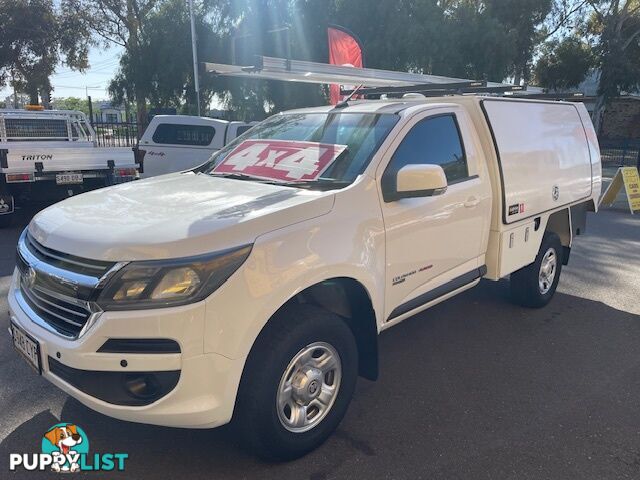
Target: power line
[{"x": 80, "y": 88}]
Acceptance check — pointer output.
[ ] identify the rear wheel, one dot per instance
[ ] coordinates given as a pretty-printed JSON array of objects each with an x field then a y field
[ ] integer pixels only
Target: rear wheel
[
  {"x": 297, "y": 383},
  {"x": 535, "y": 284}
]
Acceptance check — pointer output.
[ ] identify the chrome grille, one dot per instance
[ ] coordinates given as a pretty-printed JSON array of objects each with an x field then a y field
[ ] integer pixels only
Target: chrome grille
[
  {"x": 57, "y": 290},
  {"x": 66, "y": 261},
  {"x": 65, "y": 315}
]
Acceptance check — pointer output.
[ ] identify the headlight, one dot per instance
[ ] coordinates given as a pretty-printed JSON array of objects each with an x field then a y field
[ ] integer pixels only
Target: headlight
[{"x": 167, "y": 283}]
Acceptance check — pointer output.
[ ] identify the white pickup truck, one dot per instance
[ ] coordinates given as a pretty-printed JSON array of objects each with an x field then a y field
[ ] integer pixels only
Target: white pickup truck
[
  {"x": 254, "y": 287},
  {"x": 173, "y": 143},
  {"x": 52, "y": 154}
]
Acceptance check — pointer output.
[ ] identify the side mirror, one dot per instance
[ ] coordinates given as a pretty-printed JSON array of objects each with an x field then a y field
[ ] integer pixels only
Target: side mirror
[{"x": 417, "y": 181}]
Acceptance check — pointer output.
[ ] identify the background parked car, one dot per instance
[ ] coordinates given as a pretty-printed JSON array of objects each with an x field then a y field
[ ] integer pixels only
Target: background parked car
[
  {"x": 172, "y": 143},
  {"x": 47, "y": 155}
]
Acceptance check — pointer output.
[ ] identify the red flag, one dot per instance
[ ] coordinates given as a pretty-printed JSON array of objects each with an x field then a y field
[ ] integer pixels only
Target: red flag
[{"x": 344, "y": 49}]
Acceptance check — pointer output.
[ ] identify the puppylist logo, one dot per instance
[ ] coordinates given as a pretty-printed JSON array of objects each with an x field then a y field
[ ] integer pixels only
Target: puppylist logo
[{"x": 65, "y": 449}]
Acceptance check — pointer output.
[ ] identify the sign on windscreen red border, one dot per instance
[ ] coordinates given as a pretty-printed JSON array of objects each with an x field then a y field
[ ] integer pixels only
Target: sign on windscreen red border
[{"x": 281, "y": 160}]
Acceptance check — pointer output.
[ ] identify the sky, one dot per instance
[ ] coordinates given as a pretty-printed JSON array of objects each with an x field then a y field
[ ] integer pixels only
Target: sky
[{"x": 67, "y": 83}]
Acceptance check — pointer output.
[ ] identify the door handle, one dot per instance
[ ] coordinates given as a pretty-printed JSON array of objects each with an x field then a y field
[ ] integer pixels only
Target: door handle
[{"x": 471, "y": 202}]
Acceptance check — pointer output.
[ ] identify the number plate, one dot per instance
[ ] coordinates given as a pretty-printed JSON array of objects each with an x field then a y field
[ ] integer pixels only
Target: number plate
[
  {"x": 68, "y": 178},
  {"x": 27, "y": 347}
]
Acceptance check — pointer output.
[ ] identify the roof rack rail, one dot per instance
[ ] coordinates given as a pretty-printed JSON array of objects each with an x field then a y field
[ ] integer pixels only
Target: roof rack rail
[
  {"x": 436, "y": 90},
  {"x": 417, "y": 88},
  {"x": 552, "y": 96}
]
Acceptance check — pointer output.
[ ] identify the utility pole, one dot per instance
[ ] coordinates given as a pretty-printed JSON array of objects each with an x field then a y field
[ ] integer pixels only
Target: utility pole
[
  {"x": 89, "y": 104},
  {"x": 15, "y": 94},
  {"x": 195, "y": 55}
]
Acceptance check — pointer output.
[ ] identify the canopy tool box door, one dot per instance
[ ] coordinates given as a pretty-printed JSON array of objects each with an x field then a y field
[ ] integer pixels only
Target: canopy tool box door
[{"x": 543, "y": 156}]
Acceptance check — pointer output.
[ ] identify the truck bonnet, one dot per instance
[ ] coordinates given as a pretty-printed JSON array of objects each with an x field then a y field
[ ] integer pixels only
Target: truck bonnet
[{"x": 172, "y": 216}]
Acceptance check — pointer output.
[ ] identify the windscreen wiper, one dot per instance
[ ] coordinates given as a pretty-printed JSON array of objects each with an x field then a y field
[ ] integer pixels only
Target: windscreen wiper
[
  {"x": 236, "y": 176},
  {"x": 322, "y": 184}
]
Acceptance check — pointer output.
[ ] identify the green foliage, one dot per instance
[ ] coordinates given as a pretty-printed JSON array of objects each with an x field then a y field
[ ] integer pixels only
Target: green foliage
[
  {"x": 523, "y": 24},
  {"x": 478, "y": 39},
  {"x": 75, "y": 103},
  {"x": 616, "y": 27},
  {"x": 563, "y": 64},
  {"x": 489, "y": 39},
  {"x": 35, "y": 37},
  {"x": 476, "y": 46}
]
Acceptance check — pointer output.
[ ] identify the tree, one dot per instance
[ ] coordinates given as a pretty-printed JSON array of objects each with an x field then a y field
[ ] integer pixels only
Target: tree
[
  {"x": 615, "y": 25},
  {"x": 123, "y": 22},
  {"x": 522, "y": 22},
  {"x": 476, "y": 45},
  {"x": 480, "y": 39},
  {"x": 254, "y": 24},
  {"x": 563, "y": 64},
  {"x": 74, "y": 103},
  {"x": 35, "y": 37}
]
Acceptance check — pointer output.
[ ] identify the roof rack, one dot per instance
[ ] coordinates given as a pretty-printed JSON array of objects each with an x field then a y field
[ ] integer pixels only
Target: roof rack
[
  {"x": 273, "y": 68},
  {"x": 373, "y": 82}
]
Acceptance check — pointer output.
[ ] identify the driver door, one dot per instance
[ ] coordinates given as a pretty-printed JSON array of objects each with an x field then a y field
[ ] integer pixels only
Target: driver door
[{"x": 434, "y": 243}]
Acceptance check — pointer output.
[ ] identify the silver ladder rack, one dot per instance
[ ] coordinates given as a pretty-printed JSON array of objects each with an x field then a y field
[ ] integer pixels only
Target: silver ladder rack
[{"x": 273, "y": 68}]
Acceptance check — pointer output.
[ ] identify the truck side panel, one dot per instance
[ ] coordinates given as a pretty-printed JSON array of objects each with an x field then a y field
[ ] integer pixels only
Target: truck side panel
[
  {"x": 23, "y": 157},
  {"x": 544, "y": 156}
]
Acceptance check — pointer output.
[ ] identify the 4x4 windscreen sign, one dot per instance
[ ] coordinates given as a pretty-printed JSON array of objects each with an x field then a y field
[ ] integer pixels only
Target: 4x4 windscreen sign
[{"x": 280, "y": 160}]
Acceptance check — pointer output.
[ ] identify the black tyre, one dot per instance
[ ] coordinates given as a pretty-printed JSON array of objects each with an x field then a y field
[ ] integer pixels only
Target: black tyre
[
  {"x": 297, "y": 383},
  {"x": 534, "y": 285}
]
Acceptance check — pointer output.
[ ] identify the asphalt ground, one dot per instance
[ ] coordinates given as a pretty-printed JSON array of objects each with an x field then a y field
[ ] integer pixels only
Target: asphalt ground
[{"x": 474, "y": 388}]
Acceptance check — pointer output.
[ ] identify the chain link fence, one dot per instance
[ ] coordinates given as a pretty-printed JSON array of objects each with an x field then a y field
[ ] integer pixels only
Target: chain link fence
[{"x": 620, "y": 153}]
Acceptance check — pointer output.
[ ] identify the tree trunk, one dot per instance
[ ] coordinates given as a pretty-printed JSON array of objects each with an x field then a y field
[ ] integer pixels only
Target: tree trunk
[
  {"x": 598, "y": 113},
  {"x": 141, "y": 111},
  {"x": 33, "y": 96},
  {"x": 133, "y": 49}
]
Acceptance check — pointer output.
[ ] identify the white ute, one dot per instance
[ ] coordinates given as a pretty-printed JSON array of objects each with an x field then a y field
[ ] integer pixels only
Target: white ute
[
  {"x": 253, "y": 288},
  {"x": 52, "y": 154},
  {"x": 173, "y": 143}
]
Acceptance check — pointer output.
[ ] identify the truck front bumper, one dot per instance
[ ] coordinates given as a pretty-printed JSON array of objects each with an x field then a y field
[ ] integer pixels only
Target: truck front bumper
[{"x": 189, "y": 388}]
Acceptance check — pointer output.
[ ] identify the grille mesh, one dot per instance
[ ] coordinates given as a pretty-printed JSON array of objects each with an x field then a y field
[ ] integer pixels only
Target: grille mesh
[
  {"x": 48, "y": 289},
  {"x": 36, "y": 129},
  {"x": 64, "y": 316}
]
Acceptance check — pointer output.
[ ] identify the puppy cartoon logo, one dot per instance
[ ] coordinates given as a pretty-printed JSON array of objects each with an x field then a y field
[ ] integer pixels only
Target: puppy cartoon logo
[
  {"x": 65, "y": 449},
  {"x": 66, "y": 443}
]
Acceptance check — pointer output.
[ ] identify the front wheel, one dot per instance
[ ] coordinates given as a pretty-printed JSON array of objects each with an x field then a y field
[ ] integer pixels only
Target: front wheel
[
  {"x": 534, "y": 285},
  {"x": 297, "y": 383}
]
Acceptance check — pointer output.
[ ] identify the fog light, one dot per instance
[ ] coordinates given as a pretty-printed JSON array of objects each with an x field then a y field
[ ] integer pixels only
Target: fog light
[{"x": 142, "y": 385}]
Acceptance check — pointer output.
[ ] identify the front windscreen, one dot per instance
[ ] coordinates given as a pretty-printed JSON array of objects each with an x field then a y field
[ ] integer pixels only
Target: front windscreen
[{"x": 343, "y": 143}]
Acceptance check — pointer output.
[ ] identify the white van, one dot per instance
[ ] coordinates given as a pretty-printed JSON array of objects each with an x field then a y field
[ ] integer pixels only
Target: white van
[
  {"x": 253, "y": 288},
  {"x": 173, "y": 143}
]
